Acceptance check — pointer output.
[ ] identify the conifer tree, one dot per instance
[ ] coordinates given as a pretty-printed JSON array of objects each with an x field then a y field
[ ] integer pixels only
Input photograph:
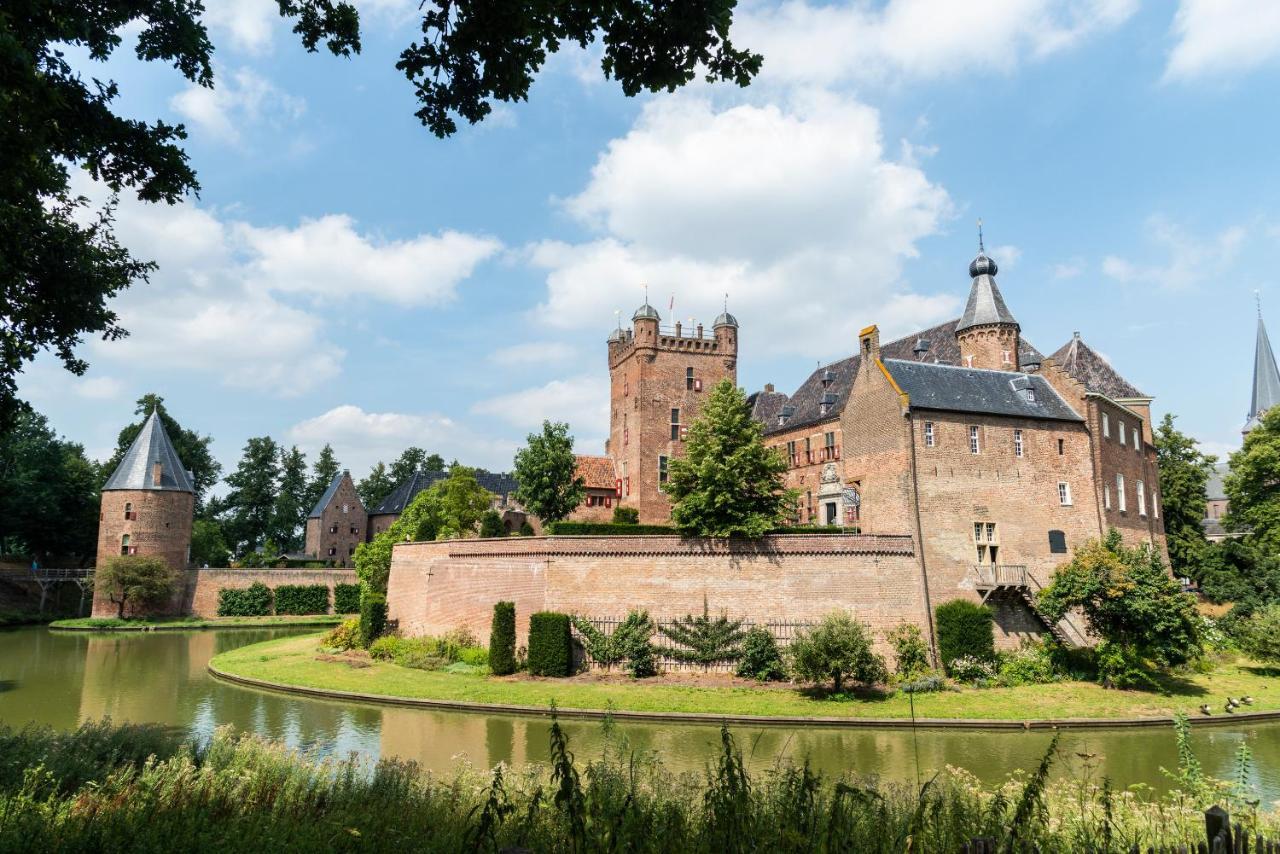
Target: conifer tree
[
  {"x": 322, "y": 474},
  {"x": 250, "y": 505},
  {"x": 1184, "y": 474},
  {"x": 728, "y": 483},
  {"x": 290, "y": 509},
  {"x": 377, "y": 486}
]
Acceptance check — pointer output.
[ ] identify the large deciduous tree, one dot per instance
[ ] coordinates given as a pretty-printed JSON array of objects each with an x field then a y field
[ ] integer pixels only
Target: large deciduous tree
[
  {"x": 1184, "y": 472},
  {"x": 546, "y": 473},
  {"x": 192, "y": 448},
  {"x": 1253, "y": 484},
  {"x": 728, "y": 483},
  {"x": 49, "y": 494}
]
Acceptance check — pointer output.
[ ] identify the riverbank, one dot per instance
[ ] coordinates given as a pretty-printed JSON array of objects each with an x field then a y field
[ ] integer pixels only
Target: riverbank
[
  {"x": 296, "y": 665},
  {"x": 113, "y": 624}
]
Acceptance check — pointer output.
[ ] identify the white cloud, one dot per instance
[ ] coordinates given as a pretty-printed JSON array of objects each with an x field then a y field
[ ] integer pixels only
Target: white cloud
[
  {"x": 1007, "y": 257},
  {"x": 247, "y": 24},
  {"x": 582, "y": 401},
  {"x": 1218, "y": 37},
  {"x": 360, "y": 438},
  {"x": 795, "y": 212},
  {"x": 99, "y": 388},
  {"x": 1190, "y": 259},
  {"x": 328, "y": 257},
  {"x": 534, "y": 353},
  {"x": 239, "y": 99},
  {"x": 826, "y": 44},
  {"x": 1068, "y": 269}
]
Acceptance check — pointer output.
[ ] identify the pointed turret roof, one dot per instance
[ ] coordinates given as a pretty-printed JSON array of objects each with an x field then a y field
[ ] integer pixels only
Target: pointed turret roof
[
  {"x": 1266, "y": 378},
  {"x": 985, "y": 306},
  {"x": 1088, "y": 366},
  {"x": 138, "y": 468}
]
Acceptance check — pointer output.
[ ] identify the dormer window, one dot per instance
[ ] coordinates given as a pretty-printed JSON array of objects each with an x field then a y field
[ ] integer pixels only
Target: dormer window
[{"x": 1029, "y": 394}]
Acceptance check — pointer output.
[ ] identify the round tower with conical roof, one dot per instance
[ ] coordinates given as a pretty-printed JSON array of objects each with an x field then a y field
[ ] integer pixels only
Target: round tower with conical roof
[
  {"x": 987, "y": 332},
  {"x": 148, "y": 503}
]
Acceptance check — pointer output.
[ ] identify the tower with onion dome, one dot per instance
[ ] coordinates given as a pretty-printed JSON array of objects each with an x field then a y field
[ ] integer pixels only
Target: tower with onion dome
[{"x": 987, "y": 331}]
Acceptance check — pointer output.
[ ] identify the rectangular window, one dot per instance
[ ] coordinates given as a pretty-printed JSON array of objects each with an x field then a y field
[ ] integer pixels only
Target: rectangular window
[
  {"x": 928, "y": 434},
  {"x": 991, "y": 532},
  {"x": 791, "y": 454},
  {"x": 1017, "y": 443},
  {"x": 675, "y": 424},
  {"x": 1120, "y": 424},
  {"x": 1062, "y": 447},
  {"x": 977, "y": 532},
  {"x": 808, "y": 451},
  {"x": 1106, "y": 496},
  {"x": 973, "y": 440},
  {"x": 1120, "y": 500},
  {"x": 688, "y": 378},
  {"x": 829, "y": 446},
  {"x": 1142, "y": 498},
  {"x": 662, "y": 469},
  {"x": 1155, "y": 504},
  {"x": 1064, "y": 493},
  {"x": 1106, "y": 426}
]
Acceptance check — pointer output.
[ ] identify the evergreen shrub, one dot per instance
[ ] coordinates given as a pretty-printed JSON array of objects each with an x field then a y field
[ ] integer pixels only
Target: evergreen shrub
[
  {"x": 253, "y": 601},
  {"x": 491, "y": 525},
  {"x": 373, "y": 617},
  {"x": 550, "y": 644},
  {"x": 502, "y": 639},
  {"x": 346, "y": 598},
  {"x": 760, "y": 657},
  {"x": 605, "y": 529},
  {"x": 302, "y": 599},
  {"x": 965, "y": 629},
  {"x": 626, "y": 515},
  {"x": 344, "y": 636}
]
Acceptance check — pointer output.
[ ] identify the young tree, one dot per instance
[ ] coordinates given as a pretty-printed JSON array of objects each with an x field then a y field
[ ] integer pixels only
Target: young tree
[
  {"x": 208, "y": 546},
  {"x": 728, "y": 482},
  {"x": 251, "y": 502},
  {"x": 703, "y": 640},
  {"x": 290, "y": 512},
  {"x": 1252, "y": 494},
  {"x": 1131, "y": 602},
  {"x": 138, "y": 580},
  {"x": 1184, "y": 473},
  {"x": 546, "y": 473},
  {"x": 323, "y": 472},
  {"x": 839, "y": 648},
  {"x": 377, "y": 486},
  {"x": 192, "y": 448}
]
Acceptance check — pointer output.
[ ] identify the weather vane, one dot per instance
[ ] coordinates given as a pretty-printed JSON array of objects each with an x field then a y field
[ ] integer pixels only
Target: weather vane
[
  {"x": 1257, "y": 297},
  {"x": 981, "y": 249}
]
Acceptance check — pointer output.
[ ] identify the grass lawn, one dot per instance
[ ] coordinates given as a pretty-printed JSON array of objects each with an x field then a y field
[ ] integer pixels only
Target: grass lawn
[
  {"x": 294, "y": 661},
  {"x": 115, "y": 624}
]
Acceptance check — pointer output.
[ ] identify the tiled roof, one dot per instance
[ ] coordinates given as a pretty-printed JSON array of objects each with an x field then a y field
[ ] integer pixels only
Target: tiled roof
[
  {"x": 958, "y": 389},
  {"x": 499, "y": 483},
  {"x": 935, "y": 345},
  {"x": 327, "y": 497},
  {"x": 1090, "y": 368},
  {"x": 596, "y": 472},
  {"x": 137, "y": 468}
]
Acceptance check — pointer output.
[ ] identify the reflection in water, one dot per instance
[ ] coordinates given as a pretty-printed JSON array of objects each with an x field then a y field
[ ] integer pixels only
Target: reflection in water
[{"x": 62, "y": 678}]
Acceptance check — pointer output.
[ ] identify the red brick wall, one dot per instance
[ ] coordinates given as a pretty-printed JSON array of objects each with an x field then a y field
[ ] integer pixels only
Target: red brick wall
[
  {"x": 805, "y": 475},
  {"x": 196, "y": 592},
  {"x": 987, "y": 347},
  {"x": 321, "y": 537},
  {"x": 162, "y": 526}
]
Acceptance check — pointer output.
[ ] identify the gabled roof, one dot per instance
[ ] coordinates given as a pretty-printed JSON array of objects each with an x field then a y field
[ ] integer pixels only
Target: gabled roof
[
  {"x": 936, "y": 345},
  {"x": 327, "y": 498},
  {"x": 499, "y": 483},
  {"x": 1266, "y": 378},
  {"x": 956, "y": 389},
  {"x": 765, "y": 405},
  {"x": 596, "y": 472},
  {"x": 1088, "y": 367},
  {"x": 137, "y": 468}
]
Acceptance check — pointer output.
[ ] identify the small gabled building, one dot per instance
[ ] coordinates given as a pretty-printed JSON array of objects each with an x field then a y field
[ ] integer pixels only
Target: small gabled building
[
  {"x": 337, "y": 524},
  {"x": 601, "y": 485},
  {"x": 148, "y": 503}
]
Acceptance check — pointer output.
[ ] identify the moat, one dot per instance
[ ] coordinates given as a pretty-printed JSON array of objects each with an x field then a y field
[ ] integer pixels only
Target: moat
[{"x": 62, "y": 678}]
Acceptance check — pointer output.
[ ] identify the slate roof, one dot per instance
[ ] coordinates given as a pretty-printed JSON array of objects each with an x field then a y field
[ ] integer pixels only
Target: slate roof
[
  {"x": 1214, "y": 490},
  {"x": 1266, "y": 378},
  {"x": 765, "y": 405},
  {"x": 137, "y": 468},
  {"x": 499, "y": 483},
  {"x": 327, "y": 497},
  {"x": 1088, "y": 367},
  {"x": 959, "y": 389},
  {"x": 596, "y": 472},
  {"x": 985, "y": 305},
  {"x": 936, "y": 344}
]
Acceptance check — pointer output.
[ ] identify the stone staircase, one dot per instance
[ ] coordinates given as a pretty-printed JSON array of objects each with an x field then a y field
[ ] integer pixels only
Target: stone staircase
[{"x": 1018, "y": 580}]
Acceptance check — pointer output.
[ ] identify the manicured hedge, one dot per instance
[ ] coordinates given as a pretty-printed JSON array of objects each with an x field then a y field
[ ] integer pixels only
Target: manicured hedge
[
  {"x": 302, "y": 599},
  {"x": 373, "y": 617},
  {"x": 502, "y": 639},
  {"x": 965, "y": 629},
  {"x": 830, "y": 530},
  {"x": 253, "y": 601},
  {"x": 550, "y": 645},
  {"x": 346, "y": 598},
  {"x": 626, "y": 515},
  {"x": 605, "y": 529}
]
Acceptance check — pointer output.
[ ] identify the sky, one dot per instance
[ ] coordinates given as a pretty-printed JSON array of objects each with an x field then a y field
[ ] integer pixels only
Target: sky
[{"x": 346, "y": 277}]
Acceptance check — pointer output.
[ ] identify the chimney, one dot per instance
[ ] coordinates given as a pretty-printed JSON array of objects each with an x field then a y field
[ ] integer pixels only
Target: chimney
[
  {"x": 156, "y": 471},
  {"x": 768, "y": 387},
  {"x": 869, "y": 344}
]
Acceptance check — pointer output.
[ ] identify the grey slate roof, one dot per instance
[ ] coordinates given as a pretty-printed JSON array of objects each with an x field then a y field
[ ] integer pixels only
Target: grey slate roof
[
  {"x": 137, "y": 468},
  {"x": 765, "y": 405},
  {"x": 499, "y": 483},
  {"x": 1266, "y": 378},
  {"x": 318, "y": 510},
  {"x": 1214, "y": 489},
  {"x": 1088, "y": 367},
  {"x": 985, "y": 305},
  {"x": 957, "y": 389},
  {"x": 935, "y": 345}
]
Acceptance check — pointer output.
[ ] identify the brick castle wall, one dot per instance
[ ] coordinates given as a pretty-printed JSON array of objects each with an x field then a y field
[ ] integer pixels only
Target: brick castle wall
[
  {"x": 335, "y": 534},
  {"x": 157, "y": 522},
  {"x": 196, "y": 593}
]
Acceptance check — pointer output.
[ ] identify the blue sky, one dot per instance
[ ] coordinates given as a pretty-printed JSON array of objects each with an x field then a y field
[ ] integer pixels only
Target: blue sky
[{"x": 344, "y": 276}]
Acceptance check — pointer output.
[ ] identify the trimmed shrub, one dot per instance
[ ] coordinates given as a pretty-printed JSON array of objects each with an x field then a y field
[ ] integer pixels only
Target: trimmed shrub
[
  {"x": 634, "y": 641},
  {"x": 965, "y": 629},
  {"x": 491, "y": 525},
  {"x": 502, "y": 639},
  {"x": 373, "y": 617},
  {"x": 253, "y": 601},
  {"x": 302, "y": 599},
  {"x": 626, "y": 515},
  {"x": 829, "y": 530},
  {"x": 605, "y": 529},
  {"x": 550, "y": 644},
  {"x": 346, "y": 598},
  {"x": 760, "y": 657},
  {"x": 346, "y": 635},
  {"x": 838, "y": 648}
]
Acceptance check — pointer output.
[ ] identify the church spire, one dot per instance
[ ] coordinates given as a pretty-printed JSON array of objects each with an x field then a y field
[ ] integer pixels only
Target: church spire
[{"x": 1266, "y": 377}]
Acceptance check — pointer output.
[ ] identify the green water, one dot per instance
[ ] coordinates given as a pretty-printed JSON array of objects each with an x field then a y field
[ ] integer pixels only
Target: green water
[{"x": 62, "y": 678}]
